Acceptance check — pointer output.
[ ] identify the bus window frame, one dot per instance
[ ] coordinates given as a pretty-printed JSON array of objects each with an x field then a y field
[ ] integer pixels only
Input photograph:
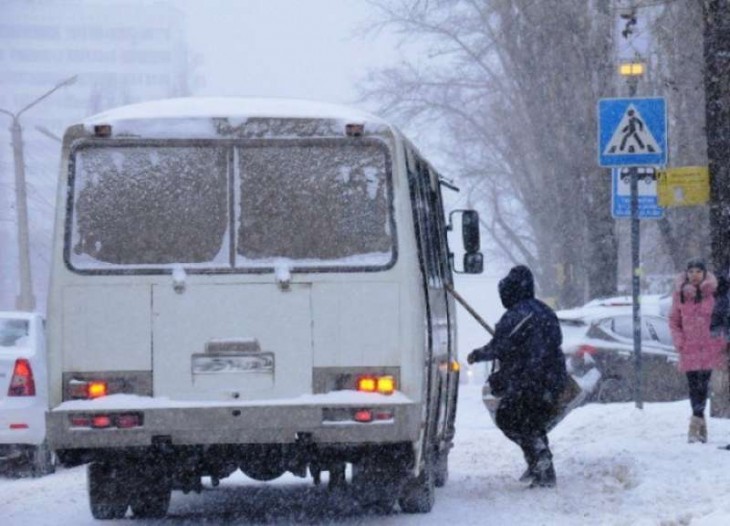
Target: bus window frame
[{"x": 232, "y": 144}]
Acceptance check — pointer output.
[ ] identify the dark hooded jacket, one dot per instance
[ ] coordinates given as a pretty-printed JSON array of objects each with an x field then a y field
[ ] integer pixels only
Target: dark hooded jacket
[
  {"x": 526, "y": 341},
  {"x": 720, "y": 321}
]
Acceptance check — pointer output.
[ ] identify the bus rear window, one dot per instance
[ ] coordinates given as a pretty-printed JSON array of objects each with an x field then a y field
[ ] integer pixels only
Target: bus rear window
[
  {"x": 238, "y": 207},
  {"x": 318, "y": 205},
  {"x": 149, "y": 206}
]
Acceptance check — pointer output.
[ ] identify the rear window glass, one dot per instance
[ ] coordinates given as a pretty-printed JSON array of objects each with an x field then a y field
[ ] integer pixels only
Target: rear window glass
[
  {"x": 150, "y": 206},
  {"x": 262, "y": 205},
  {"x": 314, "y": 204},
  {"x": 13, "y": 332}
]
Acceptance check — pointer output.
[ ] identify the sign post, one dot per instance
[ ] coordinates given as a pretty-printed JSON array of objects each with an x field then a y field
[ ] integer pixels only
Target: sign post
[{"x": 632, "y": 132}]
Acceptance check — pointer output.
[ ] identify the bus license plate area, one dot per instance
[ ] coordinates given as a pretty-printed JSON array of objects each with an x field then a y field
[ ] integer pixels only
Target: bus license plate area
[{"x": 233, "y": 363}]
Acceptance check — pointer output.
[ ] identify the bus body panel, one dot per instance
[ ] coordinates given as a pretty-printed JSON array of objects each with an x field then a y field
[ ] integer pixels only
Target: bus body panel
[
  {"x": 106, "y": 326},
  {"x": 357, "y": 324},
  {"x": 184, "y": 323}
]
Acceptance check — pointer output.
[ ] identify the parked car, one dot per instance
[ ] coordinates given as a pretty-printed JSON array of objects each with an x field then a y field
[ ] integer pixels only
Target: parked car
[
  {"x": 600, "y": 335},
  {"x": 23, "y": 395}
]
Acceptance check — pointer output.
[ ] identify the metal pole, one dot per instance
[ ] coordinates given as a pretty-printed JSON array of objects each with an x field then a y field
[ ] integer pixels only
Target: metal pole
[
  {"x": 636, "y": 285},
  {"x": 25, "y": 300},
  {"x": 636, "y": 273}
]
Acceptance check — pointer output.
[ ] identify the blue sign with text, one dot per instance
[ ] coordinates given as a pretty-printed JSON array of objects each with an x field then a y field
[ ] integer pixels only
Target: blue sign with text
[{"x": 621, "y": 194}]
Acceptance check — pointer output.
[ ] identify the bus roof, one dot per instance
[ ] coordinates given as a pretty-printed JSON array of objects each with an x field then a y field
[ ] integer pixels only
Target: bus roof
[{"x": 193, "y": 116}]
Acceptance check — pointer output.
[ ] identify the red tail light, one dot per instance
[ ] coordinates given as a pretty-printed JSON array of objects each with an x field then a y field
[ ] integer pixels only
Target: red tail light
[
  {"x": 363, "y": 415},
  {"x": 101, "y": 421},
  {"x": 586, "y": 349},
  {"x": 106, "y": 420},
  {"x": 22, "y": 383}
]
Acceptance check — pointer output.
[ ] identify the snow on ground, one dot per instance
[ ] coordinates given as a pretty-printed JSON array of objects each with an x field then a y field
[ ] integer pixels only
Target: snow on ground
[{"x": 617, "y": 465}]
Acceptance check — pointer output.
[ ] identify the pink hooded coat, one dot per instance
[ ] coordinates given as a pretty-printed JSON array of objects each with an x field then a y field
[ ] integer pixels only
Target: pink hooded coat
[{"x": 690, "y": 326}]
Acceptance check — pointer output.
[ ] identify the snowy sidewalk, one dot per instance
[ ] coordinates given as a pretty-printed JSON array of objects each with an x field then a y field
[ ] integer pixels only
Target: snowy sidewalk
[{"x": 616, "y": 465}]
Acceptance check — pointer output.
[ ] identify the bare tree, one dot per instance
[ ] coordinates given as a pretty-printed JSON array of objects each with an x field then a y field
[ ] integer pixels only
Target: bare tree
[
  {"x": 513, "y": 86},
  {"x": 677, "y": 32}
]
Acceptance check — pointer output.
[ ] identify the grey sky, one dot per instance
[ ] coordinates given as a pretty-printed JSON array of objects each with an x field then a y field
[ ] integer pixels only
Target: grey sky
[{"x": 284, "y": 48}]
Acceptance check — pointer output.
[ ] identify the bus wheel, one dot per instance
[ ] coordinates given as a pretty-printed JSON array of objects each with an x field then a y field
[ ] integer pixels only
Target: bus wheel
[
  {"x": 419, "y": 493},
  {"x": 441, "y": 468},
  {"x": 152, "y": 498},
  {"x": 108, "y": 498}
]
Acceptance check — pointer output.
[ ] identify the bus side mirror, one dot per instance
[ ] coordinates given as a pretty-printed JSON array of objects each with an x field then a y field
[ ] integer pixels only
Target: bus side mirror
[
  {"x": 473, "y": 263},
  {"x": 473, "y": 259},
  {"x": 470, "y": 231}
]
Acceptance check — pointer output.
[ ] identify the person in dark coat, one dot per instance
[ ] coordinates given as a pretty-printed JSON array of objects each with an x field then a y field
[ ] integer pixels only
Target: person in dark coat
[
  {"x": 532, "y": 375},
  {"x": 720, "y": 320}
]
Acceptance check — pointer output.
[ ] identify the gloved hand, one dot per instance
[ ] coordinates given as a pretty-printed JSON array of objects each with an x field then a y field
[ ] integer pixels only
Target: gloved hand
[{"x": 472, "y": 356}]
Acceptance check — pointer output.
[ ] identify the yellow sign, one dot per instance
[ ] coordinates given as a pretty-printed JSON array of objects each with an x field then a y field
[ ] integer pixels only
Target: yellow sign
[{"x": 683, "y": 186}]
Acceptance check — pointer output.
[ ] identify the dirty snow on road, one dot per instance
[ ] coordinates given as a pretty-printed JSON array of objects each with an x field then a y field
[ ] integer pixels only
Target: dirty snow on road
[{"x": 617, "y": 465}]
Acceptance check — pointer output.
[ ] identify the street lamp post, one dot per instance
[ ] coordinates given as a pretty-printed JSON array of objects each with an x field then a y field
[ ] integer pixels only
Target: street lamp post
[
  {"x": 25, "y": 300},
  {"x": 632, "y": 71}
]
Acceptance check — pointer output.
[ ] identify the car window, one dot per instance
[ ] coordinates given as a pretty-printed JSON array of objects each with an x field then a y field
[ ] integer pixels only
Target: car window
[
  {"x": 624, "y": 326},
  {"x": 660, "y": 328},
  {"x": 13, "y": 333}
]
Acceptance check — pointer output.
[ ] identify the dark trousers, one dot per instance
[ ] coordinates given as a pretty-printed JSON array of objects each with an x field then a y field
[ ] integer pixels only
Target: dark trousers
[
  {"x": 524, "y": 421},
  {"x": 699, "y": 387}
]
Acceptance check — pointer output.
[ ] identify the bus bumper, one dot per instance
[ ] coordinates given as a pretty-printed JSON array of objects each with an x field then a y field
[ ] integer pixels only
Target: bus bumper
[{"x": 232, "y": 424}]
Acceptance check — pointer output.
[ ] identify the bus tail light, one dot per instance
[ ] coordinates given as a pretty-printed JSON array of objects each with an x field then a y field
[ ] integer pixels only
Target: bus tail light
[
  {"x": 367, "y": 384},
  {"x": 354, "y": 129},
  {"x": 22, "y": 382},
  {"x": 101, "y": 421},
  {"x": 103, "y": 130},
  {"x": 88, "y": 390},
  {"x": 363, "y": 416},
  {"x": 383, "y": 384},
  {"x": 129, "y": 420},
  {"x": 106, "y": 420}
]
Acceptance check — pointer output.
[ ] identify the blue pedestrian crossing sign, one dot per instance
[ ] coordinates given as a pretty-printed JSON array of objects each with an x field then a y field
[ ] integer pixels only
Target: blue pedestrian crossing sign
[{"x": 632, "y": 132}]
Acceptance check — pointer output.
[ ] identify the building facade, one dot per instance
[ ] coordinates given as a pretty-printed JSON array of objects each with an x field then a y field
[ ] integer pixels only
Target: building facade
[{"x": 120, "y": 51}]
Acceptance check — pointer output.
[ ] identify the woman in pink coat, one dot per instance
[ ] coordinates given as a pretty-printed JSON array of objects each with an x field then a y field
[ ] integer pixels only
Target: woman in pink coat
[{"x": 699, "y": 352}]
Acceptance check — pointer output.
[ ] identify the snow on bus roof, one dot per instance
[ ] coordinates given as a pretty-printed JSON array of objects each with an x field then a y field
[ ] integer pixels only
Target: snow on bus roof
[{"x": 193, "y": 116}]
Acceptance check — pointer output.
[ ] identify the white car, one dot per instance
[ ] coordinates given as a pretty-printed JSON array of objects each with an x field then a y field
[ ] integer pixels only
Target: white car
[
  {"x": 23, "y": 394},
  {"x": 600, "y": 335}
]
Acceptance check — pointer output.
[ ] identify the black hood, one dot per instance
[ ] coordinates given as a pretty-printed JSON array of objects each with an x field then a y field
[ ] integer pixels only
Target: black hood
[{"x": 517, "y": 286}]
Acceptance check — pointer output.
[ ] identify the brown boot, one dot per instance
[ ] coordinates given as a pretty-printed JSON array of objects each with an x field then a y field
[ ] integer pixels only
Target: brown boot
[
  {"x": 703, "y": 431},
  {"x": 695, "y": 426}
]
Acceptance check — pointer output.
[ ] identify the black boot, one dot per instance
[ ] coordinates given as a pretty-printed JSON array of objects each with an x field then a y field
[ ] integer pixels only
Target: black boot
[
  {"x": 544, "y": 478},
  {"x": 530, "y": 460},
  {"x": 544, "y": 471}
]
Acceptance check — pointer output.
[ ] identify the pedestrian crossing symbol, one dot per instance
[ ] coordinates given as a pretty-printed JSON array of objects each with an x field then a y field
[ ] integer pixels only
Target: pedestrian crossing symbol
[
  {"x": 631, "y": 135},
  {"x": 632, "y": 132}
]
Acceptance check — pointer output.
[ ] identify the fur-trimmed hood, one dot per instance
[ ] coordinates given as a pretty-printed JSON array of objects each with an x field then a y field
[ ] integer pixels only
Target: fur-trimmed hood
[{"x": 689, "y": 291}]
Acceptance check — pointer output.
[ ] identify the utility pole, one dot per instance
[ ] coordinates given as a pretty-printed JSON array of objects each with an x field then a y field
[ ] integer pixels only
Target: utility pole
[
  {"x": 25, "y": 300},
  {"x": 632, "y": 74},
  {"x": 717, "y": 107}
]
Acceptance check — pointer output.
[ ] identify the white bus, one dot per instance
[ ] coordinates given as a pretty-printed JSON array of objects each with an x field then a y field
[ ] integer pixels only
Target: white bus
[{"x": 256, "y": 284}]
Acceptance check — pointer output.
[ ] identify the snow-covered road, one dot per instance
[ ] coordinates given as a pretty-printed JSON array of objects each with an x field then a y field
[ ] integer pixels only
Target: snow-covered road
[{"x": 616, "y": 465}]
